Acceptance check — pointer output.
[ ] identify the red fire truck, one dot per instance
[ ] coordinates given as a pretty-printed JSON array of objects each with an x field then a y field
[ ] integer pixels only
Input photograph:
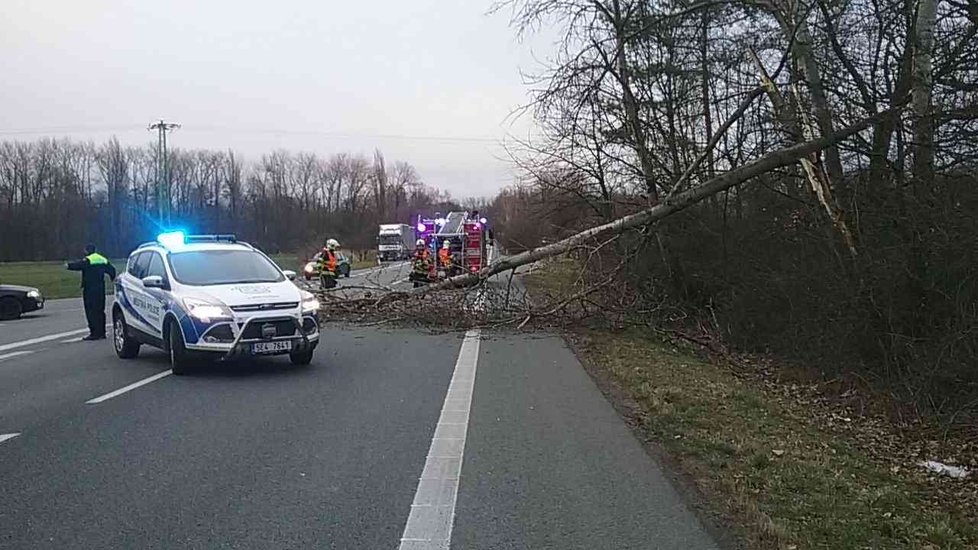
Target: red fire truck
[{"x": 466, "y": 234}]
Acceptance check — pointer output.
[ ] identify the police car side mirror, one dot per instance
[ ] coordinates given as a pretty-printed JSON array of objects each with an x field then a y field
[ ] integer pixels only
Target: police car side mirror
[
  {"x": 289, "y": 274},
  {"x": 154, "y": 281}
]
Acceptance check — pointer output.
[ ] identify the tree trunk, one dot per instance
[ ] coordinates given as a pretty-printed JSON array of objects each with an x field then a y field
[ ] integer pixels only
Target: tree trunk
[
  {"x": 923, "y": 82},
  {"x": 629, "y": 102},
  {"x": 808, "y": 69}
]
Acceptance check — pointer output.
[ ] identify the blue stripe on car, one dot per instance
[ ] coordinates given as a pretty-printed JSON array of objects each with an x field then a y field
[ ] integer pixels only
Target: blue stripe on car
[{"x": 188, "y": 325}]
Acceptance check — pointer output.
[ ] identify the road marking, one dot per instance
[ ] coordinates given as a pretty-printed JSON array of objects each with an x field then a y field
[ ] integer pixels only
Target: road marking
[
  {"x": 4, "y": 437},
  {"x": 362, "y": 272},
  {"x": 41, "y": 339},
  {"x": 71, "y": 340},
  {"x": 129, "y": 388},
  {"x": 429, "y": 525},
  {"x": 372, "y": 270},
  {"x": 15, "y": 354}
]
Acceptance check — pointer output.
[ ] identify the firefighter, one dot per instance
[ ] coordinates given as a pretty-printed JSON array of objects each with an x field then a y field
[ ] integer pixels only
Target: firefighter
[
  {"x": 327, "y": 264},
  {"x": 445, "y": 255},
  {"x": 421, "y": 262},
  {"x": 94, "y": 267}
]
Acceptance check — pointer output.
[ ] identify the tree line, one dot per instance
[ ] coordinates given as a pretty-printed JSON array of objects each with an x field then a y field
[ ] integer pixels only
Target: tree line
[
  {"x": 859, "y": 259},
  {"x": 57, "y": 195}
]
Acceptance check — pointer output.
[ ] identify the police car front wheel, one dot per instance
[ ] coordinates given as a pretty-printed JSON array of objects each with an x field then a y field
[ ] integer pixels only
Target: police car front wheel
[
  {"x": 301, "y": 357},
  {"x": 179, "y": 356}
]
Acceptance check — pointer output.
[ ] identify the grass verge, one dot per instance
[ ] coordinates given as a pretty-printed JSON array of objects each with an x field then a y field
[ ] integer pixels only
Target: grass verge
[
  {"x": 760, "y": 456},
  {"x": 51, "y": 278}
]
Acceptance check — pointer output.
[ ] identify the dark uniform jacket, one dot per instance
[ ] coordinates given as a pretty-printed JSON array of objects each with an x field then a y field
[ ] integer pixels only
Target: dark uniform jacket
[{"x": 94, "y": 268}]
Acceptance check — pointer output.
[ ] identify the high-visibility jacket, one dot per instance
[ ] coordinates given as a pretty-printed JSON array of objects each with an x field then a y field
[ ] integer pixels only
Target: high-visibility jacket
[
  {"x": 421, "y": 260},
  {"x": 445, "y": 257},
  {"x": 327, "y": 262}
]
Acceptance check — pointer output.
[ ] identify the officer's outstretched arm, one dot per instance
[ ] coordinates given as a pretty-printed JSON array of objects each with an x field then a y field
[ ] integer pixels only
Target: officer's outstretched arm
[{"x": 77, "y": 265}]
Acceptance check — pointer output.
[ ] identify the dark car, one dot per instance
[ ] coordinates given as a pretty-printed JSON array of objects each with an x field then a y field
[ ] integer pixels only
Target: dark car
[
  {"x": 16, "y": 300},
  {"x": 311, "y": 269}
]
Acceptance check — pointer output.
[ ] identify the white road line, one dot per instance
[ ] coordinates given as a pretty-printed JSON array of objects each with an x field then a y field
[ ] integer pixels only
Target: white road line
[
  {"x": 4, "y": 437},
  {"x": 429, "y": 525},
  {"x": 71, "y": 340},
  {"x": 14, "y": 354},
  {"x": 129, "y": 388},
  {"x": 362, "y": 272},
  {"x": 372, "y": 270},
  {"x": 41, "y": 339}
]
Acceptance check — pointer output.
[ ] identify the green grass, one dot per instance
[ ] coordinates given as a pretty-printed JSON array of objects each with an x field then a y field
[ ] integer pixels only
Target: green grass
[
  {"x": 53, "y": 280},
  {"x": 761, "y": 458}
]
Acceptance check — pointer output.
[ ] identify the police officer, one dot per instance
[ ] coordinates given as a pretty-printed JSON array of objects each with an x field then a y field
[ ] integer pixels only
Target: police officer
[{"x": 94, "y": 267}]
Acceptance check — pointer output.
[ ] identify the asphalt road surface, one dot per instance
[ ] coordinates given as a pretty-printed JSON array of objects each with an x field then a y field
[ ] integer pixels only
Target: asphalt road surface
[
  {"x": 390, "y": 439},
  {"x": 382, "y": 278}
]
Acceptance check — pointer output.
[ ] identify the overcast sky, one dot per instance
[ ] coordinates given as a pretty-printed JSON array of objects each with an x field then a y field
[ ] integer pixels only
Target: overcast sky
[{"x": 316, "y": 75}]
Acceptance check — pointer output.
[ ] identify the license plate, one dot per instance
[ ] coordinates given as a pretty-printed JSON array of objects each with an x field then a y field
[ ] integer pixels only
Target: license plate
[{"x": 271, "y": 347}]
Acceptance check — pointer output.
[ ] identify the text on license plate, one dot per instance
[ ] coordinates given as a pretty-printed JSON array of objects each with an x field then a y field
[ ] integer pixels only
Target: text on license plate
[{"x": 271, "y": 347}]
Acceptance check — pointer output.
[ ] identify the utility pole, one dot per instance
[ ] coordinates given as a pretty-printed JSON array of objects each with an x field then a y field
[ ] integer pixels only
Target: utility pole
[{"x": 162, "y": 171}]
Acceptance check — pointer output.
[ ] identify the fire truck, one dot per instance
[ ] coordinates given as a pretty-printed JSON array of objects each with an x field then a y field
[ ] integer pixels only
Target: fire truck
[{"x": 466, "y": 233}]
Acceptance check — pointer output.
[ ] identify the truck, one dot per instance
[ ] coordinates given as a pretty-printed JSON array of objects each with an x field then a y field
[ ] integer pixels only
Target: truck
[{"x": 395, "y": 241}]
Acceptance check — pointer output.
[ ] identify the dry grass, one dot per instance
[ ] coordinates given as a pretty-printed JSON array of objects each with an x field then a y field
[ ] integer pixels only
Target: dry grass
[
  {"x": 789, "y": 467},
  {"x": 766, "y": 461}
]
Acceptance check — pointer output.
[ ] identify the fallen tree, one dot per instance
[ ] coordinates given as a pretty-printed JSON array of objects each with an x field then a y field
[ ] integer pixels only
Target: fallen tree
[{"x": 669, "y": 206}]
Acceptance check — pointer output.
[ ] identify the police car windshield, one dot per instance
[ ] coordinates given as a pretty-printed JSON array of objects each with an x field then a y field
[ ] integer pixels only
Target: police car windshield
[{"x": 223, "y": 267}]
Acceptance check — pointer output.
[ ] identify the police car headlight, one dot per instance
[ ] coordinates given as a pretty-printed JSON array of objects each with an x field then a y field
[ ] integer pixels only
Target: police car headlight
[
  {"x": 309, "y": 302},
  {"x": 35, "y": 294},
  {"x": 205, "y": 311}
]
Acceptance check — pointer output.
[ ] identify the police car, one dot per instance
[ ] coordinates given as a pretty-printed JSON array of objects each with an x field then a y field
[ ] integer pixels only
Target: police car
[{"x": 210, "y": 296}]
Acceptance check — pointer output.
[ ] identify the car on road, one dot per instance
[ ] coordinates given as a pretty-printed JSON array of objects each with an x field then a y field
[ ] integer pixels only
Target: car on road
[
  {"x": 203, "y": 297},
  {"x": 311, "y": 269},
  {"x": 17, "y": 300}
]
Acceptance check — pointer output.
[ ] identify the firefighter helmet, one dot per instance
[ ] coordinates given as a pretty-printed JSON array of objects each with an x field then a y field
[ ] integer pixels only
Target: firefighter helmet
[
  {"x": 332, "y": 243},
  {"x": 419, "y": 243}
]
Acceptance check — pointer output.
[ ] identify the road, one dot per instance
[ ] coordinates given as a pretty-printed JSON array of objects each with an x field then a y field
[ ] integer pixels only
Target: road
[{"x": 391, "y": 439}]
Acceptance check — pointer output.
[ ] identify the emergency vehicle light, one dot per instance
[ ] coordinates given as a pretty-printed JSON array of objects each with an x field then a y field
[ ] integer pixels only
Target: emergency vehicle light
[
  {"x": 228, "y": 237},
  {"x": 171, "y": 239},
  {"x": 421, "y": 227}
]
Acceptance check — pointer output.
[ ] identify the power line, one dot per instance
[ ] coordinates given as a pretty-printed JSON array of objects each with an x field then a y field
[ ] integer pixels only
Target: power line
[
  {"x": 325, "y": 133},
  {"x": 70, "y": 130},
  {"x": 162, "y": 172},
  {"x": 253, "y": 131}
]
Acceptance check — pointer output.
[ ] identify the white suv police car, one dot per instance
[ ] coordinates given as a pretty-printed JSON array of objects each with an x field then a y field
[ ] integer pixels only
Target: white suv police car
[{"x": 210, "y": 296}]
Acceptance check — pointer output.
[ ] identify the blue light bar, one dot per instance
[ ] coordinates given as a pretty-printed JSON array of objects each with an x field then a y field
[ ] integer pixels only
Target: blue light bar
[{"x": 171, "y": 239}]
